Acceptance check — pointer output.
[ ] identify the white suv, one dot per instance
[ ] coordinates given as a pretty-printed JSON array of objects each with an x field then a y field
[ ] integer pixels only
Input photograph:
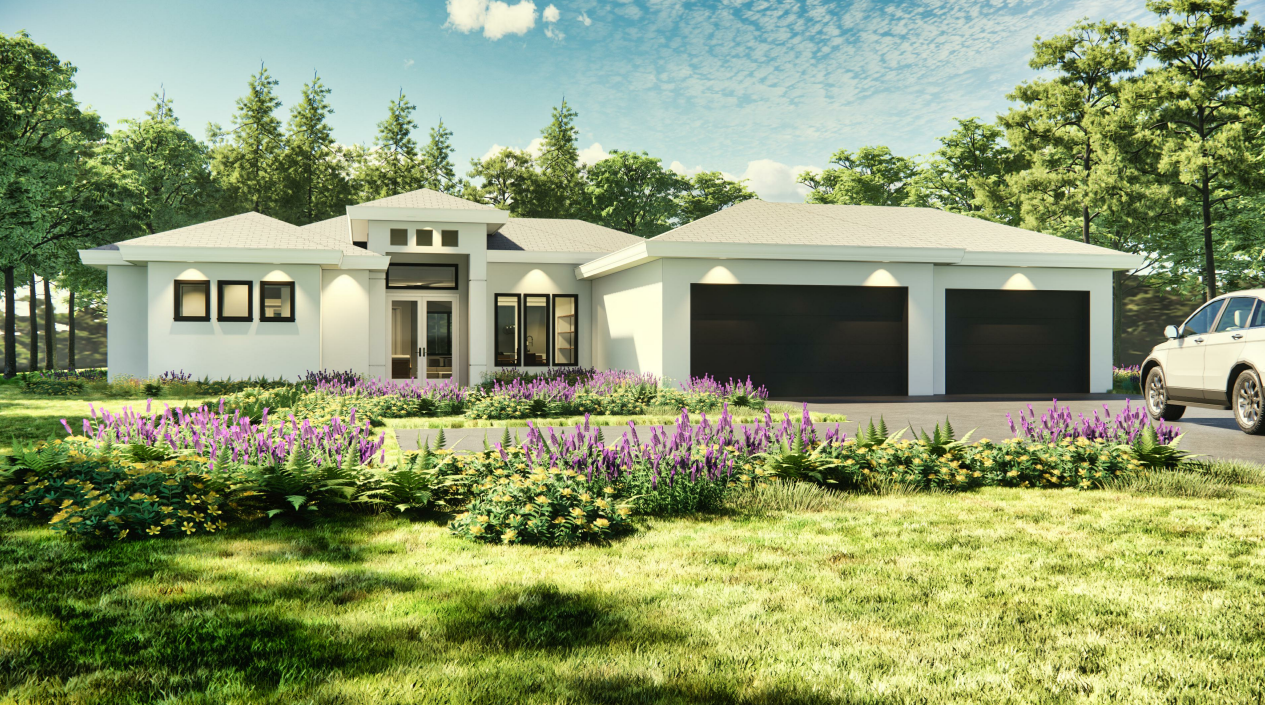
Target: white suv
[{"x": 1214, "y": 359}]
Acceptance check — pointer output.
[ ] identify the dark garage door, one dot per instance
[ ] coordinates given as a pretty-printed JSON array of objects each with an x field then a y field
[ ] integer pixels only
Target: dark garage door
[
  {"x": 1016, "y": 342},
  {"x": 802, "y": 341}
]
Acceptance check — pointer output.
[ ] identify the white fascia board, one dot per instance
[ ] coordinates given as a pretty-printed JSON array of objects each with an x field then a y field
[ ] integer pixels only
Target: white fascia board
[
  {"x": 540, "y": 257},
  {"x": 101, "y": 259},
  {"x": 245, "y": 255},
  {"x": 494, "y": 218},
  {"x": 1108, "y": 260},
  {"x": 617, "y": 261},
  {"x": 367, "y": 261},
  {"x": 651, "y": 250}
]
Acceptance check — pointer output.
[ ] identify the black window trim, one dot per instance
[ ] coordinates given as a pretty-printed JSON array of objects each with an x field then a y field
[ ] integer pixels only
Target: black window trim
[
  {"x": 250, "y": 301},
  {"x": 575, "y": 327},
  {"x": 518, "y": 327},
  {"x": 456, "y": 271},
  {"x": 293, "y": 302},
  {"x": 206, "y": 286},
  {"x": 522, "y": 343}
]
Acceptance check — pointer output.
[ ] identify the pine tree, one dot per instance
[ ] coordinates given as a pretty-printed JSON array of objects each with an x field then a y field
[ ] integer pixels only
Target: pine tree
[
  {"x": 561, "y": 189},
  {"x": 316, "y": 179},
  {"x": 247, "y": 160},
  {"x": 392, "y": 166},
  {"x": 435, "y": 160}
]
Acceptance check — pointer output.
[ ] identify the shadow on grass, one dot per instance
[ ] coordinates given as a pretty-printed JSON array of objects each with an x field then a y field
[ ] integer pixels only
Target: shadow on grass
[
  {"x": 541, "y": 617},
  {"x": 618, "y": 690}
]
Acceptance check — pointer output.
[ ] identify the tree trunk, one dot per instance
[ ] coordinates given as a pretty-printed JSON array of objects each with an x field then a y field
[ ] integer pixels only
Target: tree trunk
[
  {"x": 1085, "y": 224},
  {"x": 1210, "y": 270},
  {"x": 33, "y": 363},
  {"x": 10, "y": 325},
  {"x": 70, "y": 334},
  {"x": 50, "y": 328}
]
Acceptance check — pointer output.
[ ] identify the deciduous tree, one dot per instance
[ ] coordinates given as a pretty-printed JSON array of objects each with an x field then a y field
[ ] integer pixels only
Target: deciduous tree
[
  {"x": 633, "y": 192},
  {"x": 872, "y": 176},
  {"x": 709, "y": 192}
]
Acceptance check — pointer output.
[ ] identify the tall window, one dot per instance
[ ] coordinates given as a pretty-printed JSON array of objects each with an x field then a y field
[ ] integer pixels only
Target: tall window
[
  {"x": 234, "y": 300},
  {"x": 276, "y": 301},
  {"x": 193, "y": 300},
  {"x": 566, "y": 329},
  {"x": 535, "y": 330},
  {"x": 507, "y": 330}
]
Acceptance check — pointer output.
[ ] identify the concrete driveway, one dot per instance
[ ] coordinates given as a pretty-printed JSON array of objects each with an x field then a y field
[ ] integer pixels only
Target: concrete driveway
[{"x": 1207, "y": 432}]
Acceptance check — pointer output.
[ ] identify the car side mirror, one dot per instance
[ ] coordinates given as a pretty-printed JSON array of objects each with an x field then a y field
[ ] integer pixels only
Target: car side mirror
[{"x": 1170, "y": 332}]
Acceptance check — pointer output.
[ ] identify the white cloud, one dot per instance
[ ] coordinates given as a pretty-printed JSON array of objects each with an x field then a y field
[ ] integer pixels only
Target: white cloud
[
  {"x": 494, "y": 17},
  {"x": 584, "y": 18},
  {"x": 593, "y": 154},
  {"x": 492, "y": 151},
  {"x": 408, "y": 63},
  {"x": 775, "y": 181},
  {"x": 551, "y": 14},
  {"x": 554, "y": 33},
  {"x": 535, "y": 147}
]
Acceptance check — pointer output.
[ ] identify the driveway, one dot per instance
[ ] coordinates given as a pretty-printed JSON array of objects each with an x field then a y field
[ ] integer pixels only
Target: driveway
[{"x": 1207, "y": 432}]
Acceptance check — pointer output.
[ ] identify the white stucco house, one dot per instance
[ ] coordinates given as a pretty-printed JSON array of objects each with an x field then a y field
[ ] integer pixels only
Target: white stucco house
[{"x": 810, "y": 300}]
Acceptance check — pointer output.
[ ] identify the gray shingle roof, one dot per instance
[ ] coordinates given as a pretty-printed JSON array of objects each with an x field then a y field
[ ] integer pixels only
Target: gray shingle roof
[
  {"x": 335, "y": 227},
  {"x": 248, "y": 231},
  {"x": 762, "y": 222},
  {"x": 427, "y": 198},
  {"x": 558, "y": 235}
]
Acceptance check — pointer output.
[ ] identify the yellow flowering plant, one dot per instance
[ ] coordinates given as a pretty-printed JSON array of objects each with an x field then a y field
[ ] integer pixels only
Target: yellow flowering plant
[
  {"x": 118, "y": 492},
  {"x": 541, "y": 506}
]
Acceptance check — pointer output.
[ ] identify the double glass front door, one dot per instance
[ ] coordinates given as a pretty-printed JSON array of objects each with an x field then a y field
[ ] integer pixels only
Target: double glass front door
[{"x": 423, "y": 338}]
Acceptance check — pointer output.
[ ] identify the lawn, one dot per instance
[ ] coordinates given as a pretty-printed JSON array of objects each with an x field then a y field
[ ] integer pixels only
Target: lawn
[{"x": 1001, "y": 595}]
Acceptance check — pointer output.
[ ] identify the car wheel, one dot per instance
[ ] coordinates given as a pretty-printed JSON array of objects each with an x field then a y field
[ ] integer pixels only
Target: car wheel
[
  {"x": 1157, "y": 398},
  {"x": 1248, "y": 401}
]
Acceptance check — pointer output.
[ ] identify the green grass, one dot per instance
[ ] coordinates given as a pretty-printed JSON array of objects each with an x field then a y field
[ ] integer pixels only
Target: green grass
[
  {"x": 999, "y": 596},
  {"x": 26, "y": 417},
  {"x": 655, "y": 416}
]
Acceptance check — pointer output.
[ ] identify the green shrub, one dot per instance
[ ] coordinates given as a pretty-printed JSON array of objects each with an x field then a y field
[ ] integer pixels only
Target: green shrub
[
  {"x": 119, "y": 492},
  {"x": 670, "y": 396},
  {"x": 654, "y": 495},
  {"x": 502, "y": 407},
  {"x": 53, "y": 387},
  {"x": 543, "y": 507},
  {"x": 702, "y": 402},
  {"x": 624, "y": 401},
  {"x": 121, "y": 387}
]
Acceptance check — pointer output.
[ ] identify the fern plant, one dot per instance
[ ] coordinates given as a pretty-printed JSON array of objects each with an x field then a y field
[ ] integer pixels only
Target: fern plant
[
  {"x": 1154, "y": 455},
  {"x": 794, "y": 460},
  {"x": 941, "y": 443},
  {"x": 877, "y": 436}
]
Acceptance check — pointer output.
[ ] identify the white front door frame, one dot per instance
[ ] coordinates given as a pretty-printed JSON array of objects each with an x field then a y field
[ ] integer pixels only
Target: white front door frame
[{"x": 422, "y": 298}]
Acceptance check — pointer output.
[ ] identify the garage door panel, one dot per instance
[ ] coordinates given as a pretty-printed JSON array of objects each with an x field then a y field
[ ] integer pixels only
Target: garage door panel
[
  {"x": 802, "y": 340},
  {"x": 1020, "y": 342}
]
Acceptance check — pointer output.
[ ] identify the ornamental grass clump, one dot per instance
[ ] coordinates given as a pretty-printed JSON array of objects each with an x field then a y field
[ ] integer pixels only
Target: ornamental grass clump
[{"x": 121, "y": 491}]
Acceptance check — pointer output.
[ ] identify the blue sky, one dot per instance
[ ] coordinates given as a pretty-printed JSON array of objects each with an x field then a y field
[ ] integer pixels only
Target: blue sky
[{"x": 756, "y": 88}]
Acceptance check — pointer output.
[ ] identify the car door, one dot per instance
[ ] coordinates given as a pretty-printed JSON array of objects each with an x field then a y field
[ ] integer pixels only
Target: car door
[
  {"x": 1184, "y": 362},
  {"x": 1224, "y": 345}
]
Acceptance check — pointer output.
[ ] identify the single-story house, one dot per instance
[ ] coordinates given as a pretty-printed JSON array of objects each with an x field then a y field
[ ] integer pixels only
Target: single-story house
[{"x": 810, "y": 300}]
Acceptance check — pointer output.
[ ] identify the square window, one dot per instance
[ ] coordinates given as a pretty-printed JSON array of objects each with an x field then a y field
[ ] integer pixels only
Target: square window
[
  {"x": 425, "y": 237},
  {"x": 422, "y": 276},
  {"x": 234, "y": 301},
  {"x": 276, "y": 301},
  {"x": 399, "y": 237},
  {"x": 449, "y": 238},
  {"x": 193, "y": 300}
]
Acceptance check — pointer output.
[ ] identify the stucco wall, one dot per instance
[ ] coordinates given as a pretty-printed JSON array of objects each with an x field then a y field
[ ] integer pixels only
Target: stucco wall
[
  {"x": 127, "y": 334},
  {"x": 1096, "y": 281},
  {"x": 628, "y": 314},
  {"x": 528, "y": 278},
  {"x": 221, "y": 350},
  {"x": 678, "y": 274},
  {"x": 344, "y": 323}
]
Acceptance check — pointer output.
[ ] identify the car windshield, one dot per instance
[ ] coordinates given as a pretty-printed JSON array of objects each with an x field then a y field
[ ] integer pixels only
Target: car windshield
[
  {"x": 1236, "y": 314},
  {"x": 1201, "y": 322}
]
